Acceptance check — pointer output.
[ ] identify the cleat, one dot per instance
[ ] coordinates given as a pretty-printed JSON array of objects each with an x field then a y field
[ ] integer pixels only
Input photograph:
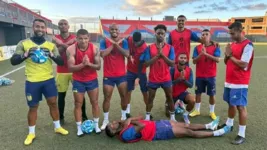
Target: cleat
[
  {"x": 61, "y": 131},
  {"x": 222, "y": 126},
  {"x": 215, "y": 123},
  {"x": 29, "y": 139},
  {"x": 105, "y": 123},
  {"x": 213, "y": 116},
  {"x": 238, "y": 140},
  {"x": 97, "y": 130},
  {"x": 194, "y": 113}
]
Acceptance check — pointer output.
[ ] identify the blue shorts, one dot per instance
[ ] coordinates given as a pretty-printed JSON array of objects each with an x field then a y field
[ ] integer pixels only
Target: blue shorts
[
  {"x": 131, "y": 77},
  {"x": 82, "y": 87},
  {"x": 236, "y": 97},
  {"x": 181, "y": 97},
  {"x": 163, "y": 130},
  {"x": 35, "y": 90},
  {"x": 155, "y": 86},
  {"x": 112, "y": 81},
  {"x": 206, "y": 83}
]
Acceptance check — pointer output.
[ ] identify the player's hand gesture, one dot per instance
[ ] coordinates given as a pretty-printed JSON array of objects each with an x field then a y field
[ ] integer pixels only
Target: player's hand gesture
[
  {"x": 86, "y": 60},
  {"x": 182, "y": 75},
  {"x": 203, "y": 51},
  {"x": 228, "y": 50},
  {"x": 127, "y": 122},
  {"x": 132, "y": 59}
]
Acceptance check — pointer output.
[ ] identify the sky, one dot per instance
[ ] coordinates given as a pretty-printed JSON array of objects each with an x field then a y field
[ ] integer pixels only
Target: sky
[{"x": 145, "y": 9}]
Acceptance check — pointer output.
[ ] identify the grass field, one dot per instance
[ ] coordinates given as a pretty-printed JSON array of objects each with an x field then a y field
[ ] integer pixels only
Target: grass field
[{"x": 14, "y": 128}]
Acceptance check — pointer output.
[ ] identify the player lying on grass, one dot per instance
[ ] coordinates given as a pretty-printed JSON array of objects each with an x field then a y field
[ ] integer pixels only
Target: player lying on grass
[{"x": 136, "y": 129}]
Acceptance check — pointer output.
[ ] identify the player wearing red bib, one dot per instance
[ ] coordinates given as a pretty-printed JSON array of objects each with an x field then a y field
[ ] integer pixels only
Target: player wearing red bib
[
  {"x": 64, "y": 76},
  {"x": 84, "y": 61}
]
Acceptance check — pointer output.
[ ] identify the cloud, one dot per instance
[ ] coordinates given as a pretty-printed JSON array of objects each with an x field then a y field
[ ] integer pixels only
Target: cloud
[
  {"x": 260, "y": 6},
  {"x": 202, "y": 11},
  {"x": 152, "y": 7}
]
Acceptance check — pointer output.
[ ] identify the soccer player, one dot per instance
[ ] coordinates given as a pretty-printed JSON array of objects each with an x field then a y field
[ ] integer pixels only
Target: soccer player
[
  {"x": 182, "y": 79},
  {"x": 113, "y": 51},
  {"x": 136, "y": 129},
  {"x": 238, "y": 59},
  {"x": 159, "y": 56},
  {"x": 39, "y": 77},
  {"x": 84, "y": 61},
  {"x": 180, "y": 38},
  {"x": 206, "y": 56},
  {"x": 135, "y": 69},
  {"x": 64, "y": 77}
]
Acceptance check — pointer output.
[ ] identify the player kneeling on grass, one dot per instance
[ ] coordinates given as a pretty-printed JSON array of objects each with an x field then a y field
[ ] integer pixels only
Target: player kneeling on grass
[
  {"x": 136, "y": 129},
  {"x": 206, "y": 56},
  {"x": 39, "y": 76},
  {"x": 83, "y": 61},
  {"x": 182, "y": 79}
]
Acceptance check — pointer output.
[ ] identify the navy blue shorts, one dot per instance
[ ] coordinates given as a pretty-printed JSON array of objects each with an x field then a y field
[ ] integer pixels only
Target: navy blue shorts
[
  {"x": 112, "y": 81},
  {"x": 181, "y": 97},
  {"x": 35, "y": 90},
  {"x": 82, "y": 87},
  {"x": 163, "y": 130},
  {"x": 131, "y": 77},
  {"x": 206, "y": 83},
  {"x": 236, "y": 97},
  {"x": 155, "y": 86}
]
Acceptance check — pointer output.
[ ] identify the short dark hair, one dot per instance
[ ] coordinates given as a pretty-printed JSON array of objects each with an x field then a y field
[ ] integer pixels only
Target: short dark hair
[
  {"x": 108, "y": 132},
  {"x": 206, "y": 30},
  {"x": 236, "y": 25},
  {"x": 181, "y": 16},
  {"x": 39, "y": 20},
  {"x": 137, "y": 36},
  {"x": 160, "y": 26},
  {"x": 82, "y": 32},
  {"x": 182, "y": 53}
]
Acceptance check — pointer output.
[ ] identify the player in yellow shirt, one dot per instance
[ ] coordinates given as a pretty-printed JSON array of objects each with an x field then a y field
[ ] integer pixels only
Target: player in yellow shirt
[{"x": 39, "y": 77}]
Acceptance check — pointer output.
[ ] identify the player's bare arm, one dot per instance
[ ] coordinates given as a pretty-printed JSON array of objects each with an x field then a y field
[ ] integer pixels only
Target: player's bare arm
[
  {"x": 71, "y": 60},
  {"x": 124, "y": 52},
  {"x": 97, "y": 62},
  {"x": 106, "y": 52},
  {"x": 151, "y": 61},
  {"x": 167, "y": 60},
  {"x": 238, "y": 62}
]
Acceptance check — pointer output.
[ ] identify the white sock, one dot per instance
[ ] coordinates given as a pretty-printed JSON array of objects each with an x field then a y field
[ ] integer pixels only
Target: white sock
[
  {"x": 197, "y": 106},
  {"x": 106, "y": 115},
  {"x": 57, "y": 124},
  {"x": 79, "y": 128},
  {"x": 208, "y": 126},
  {"x": 123, "y": 115},
  {"x": 128, "y": 108},
  {"x": 96, "y": 120},
  {"x": 230, "y": 122},
  {"x": 148, "y": 116},
  {"x": 31, "y": 129},
  {"x": 242, "y": 131},
  {"x": 218, "y": 132},
  {"x": 172, "y": 115},
  {"x": 212, "y": 107}
]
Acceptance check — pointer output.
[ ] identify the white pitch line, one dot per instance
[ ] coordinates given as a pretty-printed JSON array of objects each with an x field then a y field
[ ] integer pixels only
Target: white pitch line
[
  {"x": 12, "y": 71},
  {"x": 17, "y": 69}
]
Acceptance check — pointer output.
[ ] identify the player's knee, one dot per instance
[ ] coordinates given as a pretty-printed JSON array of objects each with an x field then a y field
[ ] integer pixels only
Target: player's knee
[
  {"x": 190, "y": 133},
  {"x": 78, "y": 104},
  {"x": 33, "y": 108},
  {"x": 241, "y": 108},
  {"x": 94, "y": 103}
]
